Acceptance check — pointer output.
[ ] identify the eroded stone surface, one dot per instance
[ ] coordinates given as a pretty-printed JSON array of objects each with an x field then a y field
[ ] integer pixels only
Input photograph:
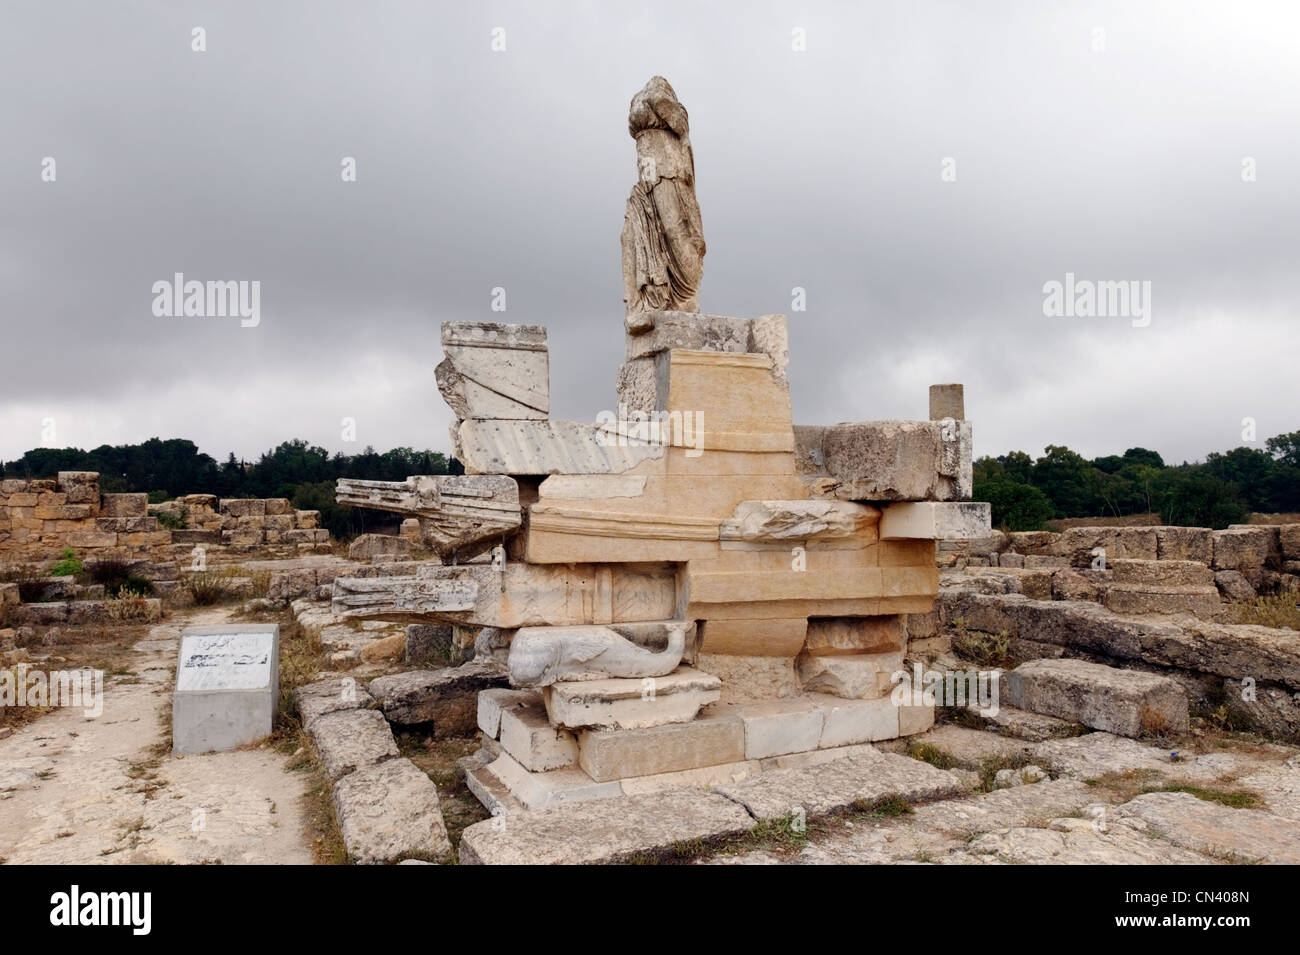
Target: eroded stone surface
[{"x": 390, "y": 811}]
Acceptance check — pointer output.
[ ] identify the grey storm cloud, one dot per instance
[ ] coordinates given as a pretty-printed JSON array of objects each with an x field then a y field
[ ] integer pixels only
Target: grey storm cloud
[{"x": 820, "y": 169}]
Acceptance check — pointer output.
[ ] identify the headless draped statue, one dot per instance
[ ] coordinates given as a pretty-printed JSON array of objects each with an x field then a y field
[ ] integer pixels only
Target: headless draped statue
[{"x": 663, "y": 238}]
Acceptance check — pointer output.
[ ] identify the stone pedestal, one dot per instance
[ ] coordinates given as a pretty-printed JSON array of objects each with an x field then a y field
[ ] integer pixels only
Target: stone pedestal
[{"x": 227, "y": 686}]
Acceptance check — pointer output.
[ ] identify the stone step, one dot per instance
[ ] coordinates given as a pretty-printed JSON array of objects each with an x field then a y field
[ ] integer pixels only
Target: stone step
[
  {"x": 347, "y": 740},
  {"x": 1124, "y": 702},
  {"x": 603, "y": 832},
  {"x": 528, "y": 736},
  {"x": 389, "y": 811},
  {"x": 862, "y": 778}
]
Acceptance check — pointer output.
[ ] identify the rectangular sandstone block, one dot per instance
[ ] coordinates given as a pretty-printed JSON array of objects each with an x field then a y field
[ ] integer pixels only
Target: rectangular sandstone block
[
  {"x": 615, "y": 754},
  {"x": 828, "y": 636},
  {"x": 243, "y": 507},
  {"x": 1185, "y": 543},
  {"x": 124, "y": 505},
  {"x": 780, "y": 637},
  {"x": 64, "y": 512}
]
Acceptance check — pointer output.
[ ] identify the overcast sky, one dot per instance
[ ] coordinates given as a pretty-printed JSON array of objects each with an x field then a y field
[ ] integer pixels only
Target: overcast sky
[{"x": 820, "y": 169}]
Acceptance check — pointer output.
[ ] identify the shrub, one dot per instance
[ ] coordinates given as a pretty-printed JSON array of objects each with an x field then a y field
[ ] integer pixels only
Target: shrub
[
  {"x": 206, "y": 587},
  {"x": 1278, "y": 611},
  {"x": 68, "y": 566},
  {"x": 986, "y": 649},
  {"x": 131, "y": 584},
  {"x": 129, "y": 605},
  {"x": 174, "y": 522}
]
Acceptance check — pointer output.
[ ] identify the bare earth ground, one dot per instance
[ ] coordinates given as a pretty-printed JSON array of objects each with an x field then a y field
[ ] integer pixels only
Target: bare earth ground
[{"x": 107, "y": 790}]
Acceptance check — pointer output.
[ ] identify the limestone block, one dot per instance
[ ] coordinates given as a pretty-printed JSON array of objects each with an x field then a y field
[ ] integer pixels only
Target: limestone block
[
  {"x": 546, "y": 447},
  {"x": 797, "y": 520},
  {"x": 306, "y": 519},
  {"x": 124, "y": 505},
  {"x": 1245, "y": 549},
  {"x": 388, "y": 812},
  {"x": 1124, "y": 702},
  {"x": 848, "y": 722},
  {"x": 540, "y": 656},
  {"x": 665, "y": 330},
  {"x": 243, "y": 507},
  {"x": 899, "y": 460},
  {"x": 947, "y": 401},
  {"x": 603, "y": 832},
  {"x": 747, "y": 679},
  {"x": 492, "y": 703},
  {"x": 349, "y": 738},
  {"x": 707, "y": 741},
  {"x": 936, "y": 520},
  {"x": 553, "y": 788},
  {"x": 1125, "y": 599},
  {"x": 778, "y": 727},
  {"x": 631, "y": 704},
  {"x": 914, "y": 719},
  {"x": 493, "y": 370},
  {"x": 579, "y": 487},
  {"x": 327, "y": 696},
  {"x": 528, "y": 736},
  {"x": 278, "y": 523},
  {"x": 1289, "y": 541},
  {"x": 62, "y": 512},
  {"x": 1185, "y": 543},
  {"x": 1233, "y": 585},
  {"x": 1079, "y": 545},
  {"x": 862, "y": 676},
  {"x": 1163, "y": 573},
  {"x": 778, "y": 637}
]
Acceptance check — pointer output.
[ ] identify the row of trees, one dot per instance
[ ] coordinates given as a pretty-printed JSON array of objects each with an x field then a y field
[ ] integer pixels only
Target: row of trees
[
  {"x": 1026, "y": 493},
  {"x": 301, "y": 472}
]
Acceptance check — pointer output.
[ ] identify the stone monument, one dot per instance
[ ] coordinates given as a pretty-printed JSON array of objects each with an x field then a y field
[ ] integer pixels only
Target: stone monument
[
  {"x": 692, "y": 589},
  {"x": 227, "y": 685},
  {"x": 663, "y": 238}
]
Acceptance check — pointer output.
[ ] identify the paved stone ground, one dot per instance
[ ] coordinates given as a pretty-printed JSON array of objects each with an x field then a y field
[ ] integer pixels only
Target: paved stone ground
[
  {"x": 79, "y": 790},
  {"x": 1098, "y": 809}
]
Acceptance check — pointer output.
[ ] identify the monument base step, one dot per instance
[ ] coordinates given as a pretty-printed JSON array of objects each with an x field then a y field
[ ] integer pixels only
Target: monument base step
[{"x": 725, "y": 745}]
